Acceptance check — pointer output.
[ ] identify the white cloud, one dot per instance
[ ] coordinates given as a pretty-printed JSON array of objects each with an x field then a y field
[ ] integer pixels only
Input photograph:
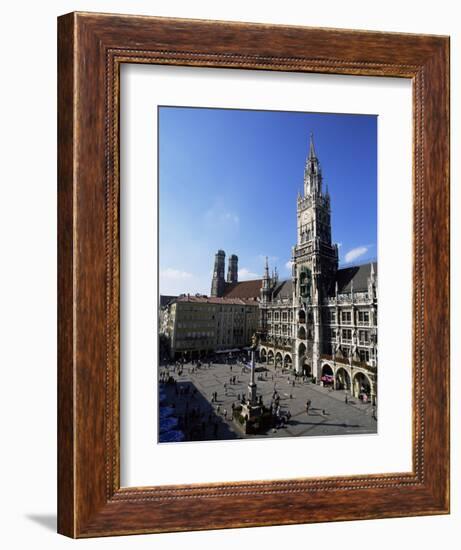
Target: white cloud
[
  {"x": 219, "y": 215},
  {"x": 289, "y": 265},
  {"x": 230, "y": 217},
  {"x": 176, "y": 281},
  {"x": 174, "y": 274},
  {"x": 245, "y": 274},
  {"x": 355, "y": 253}
]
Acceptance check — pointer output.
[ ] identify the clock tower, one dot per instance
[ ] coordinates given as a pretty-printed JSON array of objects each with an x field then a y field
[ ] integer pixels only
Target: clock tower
[{"x": 315, "y": 262}]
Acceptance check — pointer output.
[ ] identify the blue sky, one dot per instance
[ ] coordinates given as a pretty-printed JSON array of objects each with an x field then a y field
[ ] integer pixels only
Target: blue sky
[{"x": 229, "y": 179}]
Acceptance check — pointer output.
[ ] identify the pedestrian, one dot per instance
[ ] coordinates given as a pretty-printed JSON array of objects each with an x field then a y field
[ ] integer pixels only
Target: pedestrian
[
  {"x": 346, "y": 400},
  {"x": 225, "y": 414},
  {"x": 324, "y": 412}
]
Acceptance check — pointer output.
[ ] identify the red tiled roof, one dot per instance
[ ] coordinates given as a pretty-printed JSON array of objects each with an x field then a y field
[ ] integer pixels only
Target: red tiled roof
[
  {"x": 210, "y": 300},
  {"x": 247, "y": 290}
]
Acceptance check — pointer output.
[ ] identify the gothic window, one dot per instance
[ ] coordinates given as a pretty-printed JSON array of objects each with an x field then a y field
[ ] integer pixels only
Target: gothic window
[
  {"x": 364, "y": 317},
  {"x": 346, "y": 317},
  {"x": 364, "y": 355},
  {"x": 346, "y": 334},
  {"x": 305, "y": 282}
]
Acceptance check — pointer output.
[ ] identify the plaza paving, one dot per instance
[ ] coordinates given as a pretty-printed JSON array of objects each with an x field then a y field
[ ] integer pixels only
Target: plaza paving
[{"x": 200, "y": 419}]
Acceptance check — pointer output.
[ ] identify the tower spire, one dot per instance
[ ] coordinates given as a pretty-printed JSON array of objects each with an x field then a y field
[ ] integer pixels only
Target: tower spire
[
  {"x": 266, "y": 269},
  {"x": 312, "y": 172},
  {"x": 311, "y": 147},
  {"x": 266, "y": 284}
]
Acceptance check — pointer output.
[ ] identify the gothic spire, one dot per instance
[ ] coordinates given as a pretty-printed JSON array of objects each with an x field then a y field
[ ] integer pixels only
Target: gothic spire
[
  {"x": 266, "y": 269},
  {"x": 312, "y": 154},
  {"x": 312, "y": 172},
  {"x": 372, "y": 272}
]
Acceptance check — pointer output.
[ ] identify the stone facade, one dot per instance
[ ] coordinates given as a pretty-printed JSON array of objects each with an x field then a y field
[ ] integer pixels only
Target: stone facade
[
  {"x": 196, "y": 326},
  {"x": 323, "y": 322}
]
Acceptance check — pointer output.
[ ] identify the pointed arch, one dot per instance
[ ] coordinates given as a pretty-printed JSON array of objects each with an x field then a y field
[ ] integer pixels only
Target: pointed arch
[
  {"x": 361, "y": 385},
  {"x": 343, "y": 379}
]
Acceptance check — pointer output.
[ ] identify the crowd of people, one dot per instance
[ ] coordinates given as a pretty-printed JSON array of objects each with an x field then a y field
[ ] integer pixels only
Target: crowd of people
[{"x": 203, "y": 416}]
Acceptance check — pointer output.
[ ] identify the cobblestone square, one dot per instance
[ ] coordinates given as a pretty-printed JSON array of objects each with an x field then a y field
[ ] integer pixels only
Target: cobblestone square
[{"x": 201, "y": 419}]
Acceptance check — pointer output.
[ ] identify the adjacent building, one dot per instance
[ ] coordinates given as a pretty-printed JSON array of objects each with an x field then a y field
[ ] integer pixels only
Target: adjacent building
[{"x": 197, "y": 326}]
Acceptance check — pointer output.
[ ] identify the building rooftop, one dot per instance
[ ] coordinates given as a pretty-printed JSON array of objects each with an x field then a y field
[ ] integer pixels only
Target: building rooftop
[
  {"x": 358, "y": 274},
  {"x": 165, "y": 300},
  {"x": 246, "y": 290},
  {"x": 283, "y": 290},
  {"x": 210, "y": 300}
]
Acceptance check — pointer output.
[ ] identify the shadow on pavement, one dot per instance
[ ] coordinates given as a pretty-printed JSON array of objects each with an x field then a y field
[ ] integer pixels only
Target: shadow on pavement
[{"x": 197, "y": 418}]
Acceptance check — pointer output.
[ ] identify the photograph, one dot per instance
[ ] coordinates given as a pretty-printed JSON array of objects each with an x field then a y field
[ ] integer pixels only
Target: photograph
[
  {"x": 208, "y": 209},
  {"x": 268, "y": 274}
]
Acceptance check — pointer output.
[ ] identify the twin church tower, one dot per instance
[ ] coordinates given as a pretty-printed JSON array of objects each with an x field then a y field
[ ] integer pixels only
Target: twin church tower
[{"x": 218, "y": 283}]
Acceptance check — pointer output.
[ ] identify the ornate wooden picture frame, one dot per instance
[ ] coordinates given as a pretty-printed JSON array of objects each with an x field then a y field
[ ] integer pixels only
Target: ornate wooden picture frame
[{"x": 92, "y": 48}]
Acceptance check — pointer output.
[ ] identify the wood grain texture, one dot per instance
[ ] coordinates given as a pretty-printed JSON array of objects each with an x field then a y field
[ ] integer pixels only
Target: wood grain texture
[
  {"x": 91, "y": 49},
  {"x": 66, "y": 155}
]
